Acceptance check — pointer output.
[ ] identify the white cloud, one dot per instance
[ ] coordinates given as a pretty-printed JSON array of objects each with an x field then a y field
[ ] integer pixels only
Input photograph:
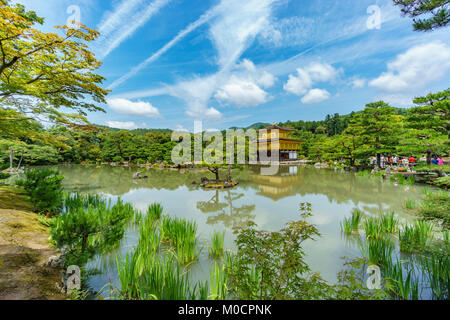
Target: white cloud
[
  {"x": 242, "y": 92},
  {"x": 248, "y": 69},
  {"x": 305, "y": 78},
  {"x": 140, "y": 108},
  {"x": 415, "y": 69},
  {"x": 298, "y": 84},
  {"x": 212, "y": 113},
  {"x": 358, "y": 83},
  {"x": 123, "y": 22},
  {"x": 266, "y": 80},
  {"x": 237, "y": 25},
  {"x": 233, "y": 27},
  {"x": 122, "y": 125},
  {"x": 322, "y": 72},
  {"x": 315, "y": 96}
]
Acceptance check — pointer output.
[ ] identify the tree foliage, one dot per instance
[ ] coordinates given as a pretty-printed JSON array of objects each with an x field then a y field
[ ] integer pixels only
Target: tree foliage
[
  {"x": 428, "y": 124},
  {"x": 45, "y": 190},
  {"x": 437, "y": 13},
  {"x": 54, "y": 70}
]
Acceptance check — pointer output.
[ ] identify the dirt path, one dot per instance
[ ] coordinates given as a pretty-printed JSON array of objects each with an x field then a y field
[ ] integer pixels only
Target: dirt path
[{"x": 24, "y": 248}]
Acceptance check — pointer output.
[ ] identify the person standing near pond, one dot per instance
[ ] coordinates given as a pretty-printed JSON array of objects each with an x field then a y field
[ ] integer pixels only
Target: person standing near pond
[
  {"x": 395, "y": 160},
  {"x": 412, "y": 161},
  {"x": 405, "y": 162}
]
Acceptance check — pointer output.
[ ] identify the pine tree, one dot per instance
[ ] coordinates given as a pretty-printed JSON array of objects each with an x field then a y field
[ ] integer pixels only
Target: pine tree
[
  {"x": 438, "y": 12},
  {"x": 428, "y": 125},
  {"x": 378, "y": 127}
]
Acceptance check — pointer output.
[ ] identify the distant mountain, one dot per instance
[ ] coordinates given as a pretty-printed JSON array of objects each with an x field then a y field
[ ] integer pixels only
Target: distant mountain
[
  {"x": 256, "y": 126},
  {"x": 137, "y": 132}
]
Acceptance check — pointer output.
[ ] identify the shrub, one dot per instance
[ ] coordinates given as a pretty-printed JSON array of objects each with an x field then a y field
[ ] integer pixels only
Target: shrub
[
  {"x": 89, "y": 227},
  {"x": 271, "y": 265},
  {"x": 4, "y": 175},
  {"x": 45, "y": 190}
]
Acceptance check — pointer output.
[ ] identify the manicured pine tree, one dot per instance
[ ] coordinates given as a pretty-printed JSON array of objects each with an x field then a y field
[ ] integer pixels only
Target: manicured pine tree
[
  {"x": 428, "y": 125},
  {"x": 436, "y": 11},
  {"x": 378, "y": 127}
]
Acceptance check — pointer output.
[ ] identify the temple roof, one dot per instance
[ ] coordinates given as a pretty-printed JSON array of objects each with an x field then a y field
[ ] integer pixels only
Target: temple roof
[{"x": 280, "y": 139}]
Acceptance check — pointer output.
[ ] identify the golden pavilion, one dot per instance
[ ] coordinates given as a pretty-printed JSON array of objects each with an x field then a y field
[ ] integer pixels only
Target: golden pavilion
[{"x": 277, "y": 138}]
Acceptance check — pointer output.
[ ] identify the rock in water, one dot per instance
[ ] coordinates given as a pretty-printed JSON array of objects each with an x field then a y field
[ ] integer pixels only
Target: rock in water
[{"x": 137, "y": 175}]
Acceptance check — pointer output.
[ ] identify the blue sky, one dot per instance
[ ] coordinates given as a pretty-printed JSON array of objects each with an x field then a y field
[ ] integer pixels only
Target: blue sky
[{"x": 234, "y": 63}]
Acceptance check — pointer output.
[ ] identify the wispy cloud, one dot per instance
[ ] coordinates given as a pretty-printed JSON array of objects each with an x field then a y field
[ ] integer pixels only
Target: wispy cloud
[
  {"x": 123, "y": 22},
  {"x": 202, "y": 20},
  {"x": 233, "y": 27}
]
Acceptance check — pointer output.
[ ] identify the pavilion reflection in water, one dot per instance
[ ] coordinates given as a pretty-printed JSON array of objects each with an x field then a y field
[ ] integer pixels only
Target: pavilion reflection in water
[{"x": 277, "y": 186}]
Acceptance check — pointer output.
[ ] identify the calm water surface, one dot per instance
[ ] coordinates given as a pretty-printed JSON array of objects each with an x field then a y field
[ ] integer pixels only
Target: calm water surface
[{"x": 269, "y": 201}]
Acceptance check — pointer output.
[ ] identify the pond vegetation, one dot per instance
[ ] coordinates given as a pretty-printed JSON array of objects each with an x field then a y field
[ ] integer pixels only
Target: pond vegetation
[{"x": 412, "y": 257}]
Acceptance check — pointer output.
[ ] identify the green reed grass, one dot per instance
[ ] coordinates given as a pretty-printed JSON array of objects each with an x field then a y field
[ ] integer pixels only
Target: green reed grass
[
  {"x": 145, "y": 276},
  {"x": 437, "y": 272},
  {"x": 377, "y": 251},
  {"x": 388, "y": 223},
  {"x": 181, "y": 234},
  {"x": 155, "y": 211},
  {"x": 377, "y": 228},
  {"x": 218, "y": 282},
  {"x": 416, "y": 236},
  {"x": 187, "y": 252},
  {"x": 373, "y": 228},
  {"x": 149, "y": 238},
  {"x": 411, "y": 204},
  {"x": 399, "y": 285},
  {"x": 216, "y": 249}
]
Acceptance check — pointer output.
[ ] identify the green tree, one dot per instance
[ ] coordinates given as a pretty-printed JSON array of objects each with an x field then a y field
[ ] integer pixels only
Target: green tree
[
  {"x": 53, "y": 70},
  {"x": 45, "y": 190},
  {"x": 343, "y": 146},
  {"x": 378, "y": 127},
  {"x": 42, "y": 74},
  {"x": 428, "y": 125},
  {"x": 438, "y": 12}
]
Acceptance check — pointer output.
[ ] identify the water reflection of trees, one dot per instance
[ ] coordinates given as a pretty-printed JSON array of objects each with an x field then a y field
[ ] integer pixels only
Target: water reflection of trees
[
  {"x": 119, "y": 180},
  {"x": 369, "y": 193},
  {"x": 339, "y": 187},
  {"x": 227, "y": 212}
]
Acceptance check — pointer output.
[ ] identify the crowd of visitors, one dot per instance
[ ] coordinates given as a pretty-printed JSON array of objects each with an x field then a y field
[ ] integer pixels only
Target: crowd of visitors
[{"x": 404, "y": 162}]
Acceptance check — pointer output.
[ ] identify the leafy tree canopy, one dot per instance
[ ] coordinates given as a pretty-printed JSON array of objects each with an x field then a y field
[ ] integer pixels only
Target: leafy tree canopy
[
  {"x": 42, "y": 73},
  {"x": 437, "y": 13}
]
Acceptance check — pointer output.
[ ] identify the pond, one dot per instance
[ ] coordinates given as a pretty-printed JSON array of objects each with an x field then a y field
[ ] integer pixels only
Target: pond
[{"x": 268, "y": 201}]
